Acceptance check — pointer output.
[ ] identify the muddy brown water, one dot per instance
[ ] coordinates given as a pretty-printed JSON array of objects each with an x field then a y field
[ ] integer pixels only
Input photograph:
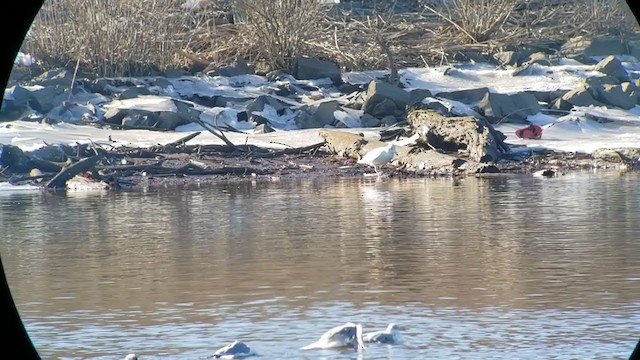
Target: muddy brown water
[{"x": 496, "y": 268}]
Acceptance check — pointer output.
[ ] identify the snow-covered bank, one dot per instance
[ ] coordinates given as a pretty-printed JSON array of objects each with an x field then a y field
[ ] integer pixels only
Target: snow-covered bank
[{"x": 580, "y": 107}]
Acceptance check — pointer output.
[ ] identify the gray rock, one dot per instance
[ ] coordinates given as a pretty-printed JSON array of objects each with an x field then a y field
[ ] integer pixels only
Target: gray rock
[
  {"x": 324, "y": 113},
  {"x": 467, "y": 96},
  {"x": 14, "y": 160},
  {"x": 312, "y": 68},
  {"x": 103, "y": 86},
  {"x": 417, "y": 95},
  {"x": 614, "y": 95},
  {"x": 175, "y": 72},
  {"x": 136, "y": 118},
  {"x": 508, "y": 108},
  {"x": 53, "y": 77},
  {"x": 535, "y": 58},
  {"x": 187, "y": 111},
  {"x": 15, "y": 104},
  {"x": 20, "y": 95},
  {"x": 370, "y": 121},
  {"x": 613, "y": 67},
  {"x": 389, "y": 120},
  {"x": 258, "y": 104},
  {"x": 512, "y": 58},
  {"x": 161, "y": 82},
  {"x": 306, "y": 120},
  {"x": 475, "y": 136},
  {"x": 263, "y": 129},
  {"x": 384, "y": 99},
  {"x": 134, "y": 92},
  {"x": 427, "y": 160},
  {"x": 114, "y": 116},
  {"x": 169, "y": 120},
  {"x": 45, "y": 99},
  {"x": 580, "y": 96},
  {"x": 582, "y": 48},
  {"x": 53, "y": 153},
  {"x": 561, "y": 104},
  {"x": 547, "y": 96},
  {"x": 239, "y": 67}
]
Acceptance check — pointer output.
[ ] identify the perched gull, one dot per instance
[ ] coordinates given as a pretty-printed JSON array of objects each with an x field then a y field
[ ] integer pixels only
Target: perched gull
[
  {"x": 391, "y": 335},
  {"x": 346, "y": 335},
  {"x": 235, "y": 350},
  {"x": 379, "y": 157}
]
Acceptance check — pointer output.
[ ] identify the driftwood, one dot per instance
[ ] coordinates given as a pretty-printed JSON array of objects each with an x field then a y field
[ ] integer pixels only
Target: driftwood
[
  {"x": 60, "y": 180},
  {"x": 217, "y": 133},
  {"x": 174, "y": 144}
]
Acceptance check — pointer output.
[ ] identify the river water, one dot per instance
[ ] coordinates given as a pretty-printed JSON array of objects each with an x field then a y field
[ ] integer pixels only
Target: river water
[{"x": 494, "y": 268}]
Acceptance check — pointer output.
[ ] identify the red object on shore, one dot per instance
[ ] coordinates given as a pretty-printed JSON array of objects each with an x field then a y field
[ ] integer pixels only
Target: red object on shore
[{"x": 530, "y": 132}]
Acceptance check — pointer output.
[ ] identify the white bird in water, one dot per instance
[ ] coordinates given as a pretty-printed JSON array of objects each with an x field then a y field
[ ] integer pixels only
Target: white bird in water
[
  {"x": 235, "y": 350},
  {"x": 347, "y": 335},
  {"x": 391, "y": 335},
  {"x": 379, "y": 157},
  {"x": 131, "y": 357}
]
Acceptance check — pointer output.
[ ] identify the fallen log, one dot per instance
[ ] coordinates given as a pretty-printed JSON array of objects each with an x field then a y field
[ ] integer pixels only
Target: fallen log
[
  {"x": 60, "y": 180},
  {"x": 174, "y": 144}
]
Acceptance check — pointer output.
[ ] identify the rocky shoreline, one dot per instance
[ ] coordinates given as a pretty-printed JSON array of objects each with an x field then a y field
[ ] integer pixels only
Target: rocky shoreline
[{"x": 438, "y": 133}]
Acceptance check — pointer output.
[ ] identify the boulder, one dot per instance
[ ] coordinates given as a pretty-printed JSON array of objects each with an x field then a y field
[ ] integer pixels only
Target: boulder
[
  {"x": 53, "y": 77},
  {"x": 134, "y": 92},
  {"x": 136, "y": 118},
  {"x": 582, "y": 48},
  {"x": 239, "y": 67},
  {"x": 512, "y": 58},
  {"x": 476, "y": 137},
  {"x": 258, "y": 104},
  {"x": 547, "y": 96},
  {"x": 384, "y": 99},
  {"x": 53, "y": 153},
  {"x": 263, "y": 129},
  {"x": 535, "y": 58},
  {"x": 45, "y": 99},
  {"x": 343, "y": 143},
  {"x": 169, "y": 120},
  {"x": 114, "y": 115},
  {"x": 467, "y": 96},
  {"x": 417, "y": 95},
  {"x": 616, "y": 96},
  {"x": 14, "y": 104},
  {"x": 174, "y": 72},
  {"x": 370, "y": 121},
  {"x": 14, "y": 160},
  {"x": 324, "y": 113},
  {"x": 580, "y": 96},
  {"x": 307, "y": 68},
  {"x": 509, "y": 108},
  {"x": 612, "y": 66},
  {"x": 625, "y": 155},
  {"x": 304, "y": 119},
  {"x": 187, "y": 111},
  {"x": 426, "y": 160}
]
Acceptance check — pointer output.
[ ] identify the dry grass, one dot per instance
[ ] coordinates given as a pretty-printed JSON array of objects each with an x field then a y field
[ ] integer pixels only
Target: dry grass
[
  {"x": 127, "y": 37},
  {"x": 117, "y": 37},
  {"x": 279, "y": 30}
]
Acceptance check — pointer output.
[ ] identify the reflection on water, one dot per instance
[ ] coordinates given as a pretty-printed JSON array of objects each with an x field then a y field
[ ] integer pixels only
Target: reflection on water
[{"x": 472, "y": 268}]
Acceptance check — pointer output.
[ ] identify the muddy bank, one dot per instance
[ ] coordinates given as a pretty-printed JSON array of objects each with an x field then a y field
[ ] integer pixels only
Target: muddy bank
[{"x": 180, "y": 166}]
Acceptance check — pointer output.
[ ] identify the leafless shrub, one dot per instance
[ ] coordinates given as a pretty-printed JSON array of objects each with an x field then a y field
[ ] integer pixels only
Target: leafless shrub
[
  {"x": 279, "y": 29},
  {"x": 477, "y": 20},
  {"x": 110, "y": 38}
]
